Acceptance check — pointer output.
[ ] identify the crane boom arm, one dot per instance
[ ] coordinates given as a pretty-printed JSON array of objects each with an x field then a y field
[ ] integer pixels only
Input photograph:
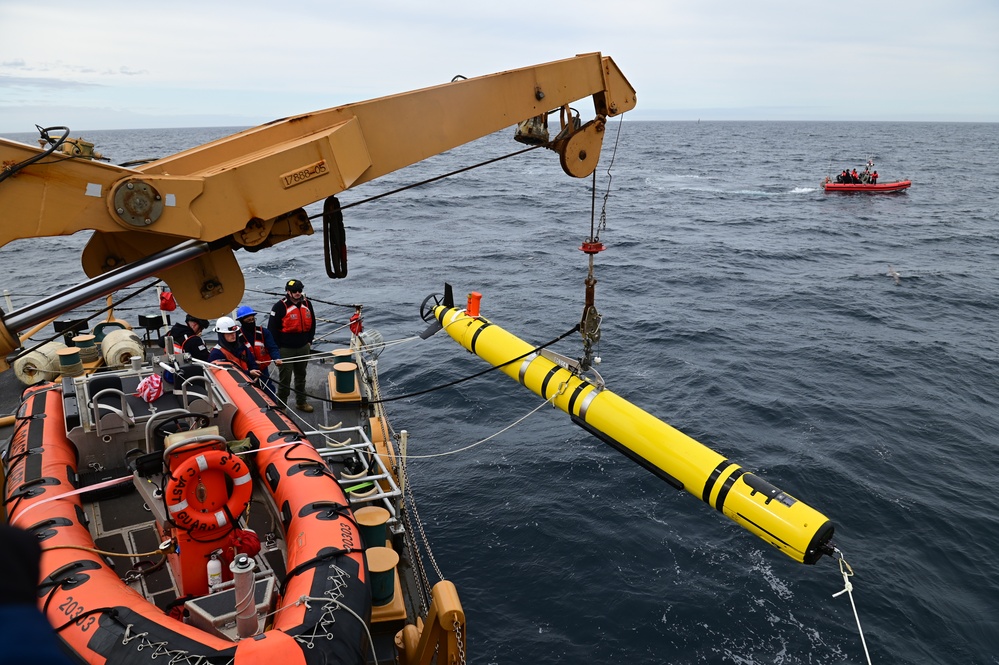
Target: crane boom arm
[
  {"x": 218, "y": 189},
  {"x": 248, "y": 189}
]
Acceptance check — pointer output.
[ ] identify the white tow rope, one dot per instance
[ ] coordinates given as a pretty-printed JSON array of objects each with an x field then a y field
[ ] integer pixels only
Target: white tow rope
[{"x": 847, "y": 573}]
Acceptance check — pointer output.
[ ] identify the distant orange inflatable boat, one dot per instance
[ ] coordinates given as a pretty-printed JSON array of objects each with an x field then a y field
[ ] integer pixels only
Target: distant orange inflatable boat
[{"x": 879, "y": 188}]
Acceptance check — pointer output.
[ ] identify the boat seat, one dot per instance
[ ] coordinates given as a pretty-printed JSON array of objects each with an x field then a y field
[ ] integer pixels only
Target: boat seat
[
  {"x": 195, "y": 390},
  {"x": 110, "y": 410}
]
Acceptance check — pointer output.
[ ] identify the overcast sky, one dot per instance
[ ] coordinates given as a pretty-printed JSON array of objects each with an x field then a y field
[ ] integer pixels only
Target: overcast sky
[{"x": 120, "y": 65}]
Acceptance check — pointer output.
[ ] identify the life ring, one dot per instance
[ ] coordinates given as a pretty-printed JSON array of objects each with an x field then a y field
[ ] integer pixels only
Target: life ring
[{"x": 192, "y": 492}]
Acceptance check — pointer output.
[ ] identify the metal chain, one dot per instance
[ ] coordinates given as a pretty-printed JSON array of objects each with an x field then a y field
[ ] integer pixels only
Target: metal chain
[
  {"x": 407, "y": 488},
  {"x": 461, "y": 645},
  {"x": 417, "y": 560},
  {"x": 423, "y": 535},
  {"x": 408, "y": 497}
]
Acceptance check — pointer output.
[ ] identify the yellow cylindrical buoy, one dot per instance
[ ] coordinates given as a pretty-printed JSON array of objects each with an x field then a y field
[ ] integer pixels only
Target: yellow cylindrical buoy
[{"x": 796, "y": 529}]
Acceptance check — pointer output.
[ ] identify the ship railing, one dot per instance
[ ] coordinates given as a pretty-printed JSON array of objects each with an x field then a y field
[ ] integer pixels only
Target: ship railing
[
  {"x": 441, "y": 637},
  {"x": 382, "y": 488}
]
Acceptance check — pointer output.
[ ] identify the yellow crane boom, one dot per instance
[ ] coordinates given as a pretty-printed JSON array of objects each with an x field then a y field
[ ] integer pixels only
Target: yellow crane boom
[{"x": 181, "y": 217}]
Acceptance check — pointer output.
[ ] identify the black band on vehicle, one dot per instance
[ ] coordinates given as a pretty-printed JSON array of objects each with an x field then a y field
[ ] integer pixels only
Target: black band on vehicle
[
  {"x": 475, "y": 335},
  {"x": 548, "y": 377},
  {"x": 709, "y": 484},
  {"x": 720, "y": 503}
]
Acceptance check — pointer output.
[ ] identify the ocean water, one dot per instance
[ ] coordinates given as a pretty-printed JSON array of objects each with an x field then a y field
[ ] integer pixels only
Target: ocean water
[{"x": 843, "y": 347}]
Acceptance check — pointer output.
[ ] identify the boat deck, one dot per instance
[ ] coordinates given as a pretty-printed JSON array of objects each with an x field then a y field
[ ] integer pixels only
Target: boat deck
[{"x": 123, "y": 519}]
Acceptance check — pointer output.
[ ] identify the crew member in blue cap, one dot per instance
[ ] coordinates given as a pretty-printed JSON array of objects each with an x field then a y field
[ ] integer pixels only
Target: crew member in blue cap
[
  {"x": 265, "y": 349},
  {"x": 293, "y": 323}
]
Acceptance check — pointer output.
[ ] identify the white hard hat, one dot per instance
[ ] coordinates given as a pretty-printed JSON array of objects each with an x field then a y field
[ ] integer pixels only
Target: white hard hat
[{"x": 225, "y": 324}]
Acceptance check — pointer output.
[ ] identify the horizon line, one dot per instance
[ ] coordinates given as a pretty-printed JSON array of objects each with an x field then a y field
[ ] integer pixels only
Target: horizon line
[{"x": 4, "y": 132}]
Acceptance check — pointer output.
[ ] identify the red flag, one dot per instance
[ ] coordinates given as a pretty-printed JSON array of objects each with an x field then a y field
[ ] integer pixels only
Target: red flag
[{"x": 167, "y": 302}]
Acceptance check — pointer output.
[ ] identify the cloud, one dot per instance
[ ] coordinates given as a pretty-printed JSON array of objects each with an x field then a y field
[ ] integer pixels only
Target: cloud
[
  {"x": 43, "y": 82},
  {"x": 899, "y": 60}
]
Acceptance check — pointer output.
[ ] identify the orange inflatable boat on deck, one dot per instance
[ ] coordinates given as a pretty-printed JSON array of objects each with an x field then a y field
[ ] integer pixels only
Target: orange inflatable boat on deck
[{"x": 304, "y": 599}]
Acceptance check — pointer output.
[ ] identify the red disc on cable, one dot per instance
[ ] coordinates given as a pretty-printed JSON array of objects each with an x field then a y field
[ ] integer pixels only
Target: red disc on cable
[{"x": 592, "y": 247}]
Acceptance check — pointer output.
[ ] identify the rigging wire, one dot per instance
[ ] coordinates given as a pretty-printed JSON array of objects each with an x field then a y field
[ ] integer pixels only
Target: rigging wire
[
  {"x": 610, "y": 178},
  {"x": 550, "y": 400},
  {"x": 595, "y": 230},
  {"x": 478, "y": 374},
  {"x": 95, "y": 314},
  {"x": 434, "y": 179},
  {"x": 589, "y": 322},
  {"x": 8, "y": 171},
  {"x": 321, "y": 302}
]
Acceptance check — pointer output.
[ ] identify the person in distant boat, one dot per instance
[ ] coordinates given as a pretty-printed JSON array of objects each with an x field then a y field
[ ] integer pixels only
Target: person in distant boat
[
  {"x": 854, "y": 178},
  {"x": 874, "y": 178},
  {"x": 187, "y": 336},
  {"x": 233, "y": 347},
  {"x": 865, "y": 177},
  {"x": 261, "y": 341},
  {"x": 843, "y": 177},
  {"x": 293, "y": 323}
]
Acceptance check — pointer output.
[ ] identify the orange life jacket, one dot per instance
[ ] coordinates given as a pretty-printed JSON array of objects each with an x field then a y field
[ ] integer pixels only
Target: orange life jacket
[
  {"x": 297, "y": 318},
  {"x": 236, "y": 360},
  {"x": 259, "y": 349}
]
